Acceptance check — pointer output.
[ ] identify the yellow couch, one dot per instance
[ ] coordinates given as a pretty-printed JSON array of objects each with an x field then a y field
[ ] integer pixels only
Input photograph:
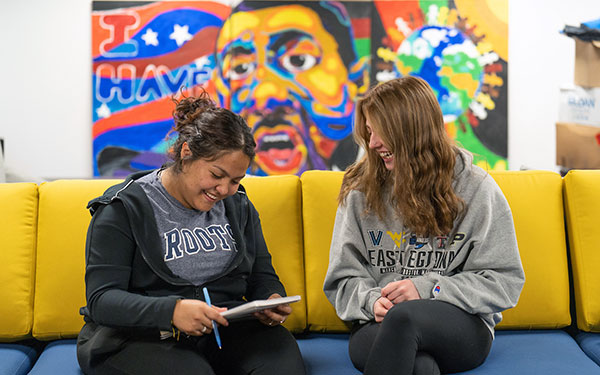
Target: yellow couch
[{"x": 42, "y": 263}]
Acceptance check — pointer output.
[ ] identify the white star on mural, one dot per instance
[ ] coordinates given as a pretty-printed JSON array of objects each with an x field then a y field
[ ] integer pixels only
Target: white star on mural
[
  {"x": 150, "y": 37},
  {"x": 201, "y": 61},
  {"x": 180, "y": 34},
  {"x": 103, "y": 111}
]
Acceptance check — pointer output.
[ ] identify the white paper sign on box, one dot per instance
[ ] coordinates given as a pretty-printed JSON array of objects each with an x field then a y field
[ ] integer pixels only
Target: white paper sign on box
[{"x": 579, "y": 105}]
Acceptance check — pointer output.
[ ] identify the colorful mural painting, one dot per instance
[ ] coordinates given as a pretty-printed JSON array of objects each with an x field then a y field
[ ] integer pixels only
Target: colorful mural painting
[
  {"x": 293, "y": 70},
  {"x": 460, "y": 48}
]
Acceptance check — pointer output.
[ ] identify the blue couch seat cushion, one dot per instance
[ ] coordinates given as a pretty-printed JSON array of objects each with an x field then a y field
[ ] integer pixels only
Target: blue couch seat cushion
[
  {"x": 58, "y": 357},
  {"x": 590, "y": 344},
  {"x": 16, "y": 359},
  {"x": 326, "y": 354},
  {"x": 535, "y": 352}
]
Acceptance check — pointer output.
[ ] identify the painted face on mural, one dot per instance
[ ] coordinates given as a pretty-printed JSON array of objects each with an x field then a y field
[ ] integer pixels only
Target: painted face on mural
[{"x": 280, "y": 69}]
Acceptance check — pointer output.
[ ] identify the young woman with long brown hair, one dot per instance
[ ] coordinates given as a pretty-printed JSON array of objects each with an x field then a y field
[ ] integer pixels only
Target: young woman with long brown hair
[{"x": 424, "y": 254}]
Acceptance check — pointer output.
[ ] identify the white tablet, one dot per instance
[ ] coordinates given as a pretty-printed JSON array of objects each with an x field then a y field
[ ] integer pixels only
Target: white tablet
[{"x": 249, "y": 308}]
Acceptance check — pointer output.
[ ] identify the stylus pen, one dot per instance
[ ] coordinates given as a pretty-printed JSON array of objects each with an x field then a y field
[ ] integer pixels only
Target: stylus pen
[{"x": 215, "y": 330}]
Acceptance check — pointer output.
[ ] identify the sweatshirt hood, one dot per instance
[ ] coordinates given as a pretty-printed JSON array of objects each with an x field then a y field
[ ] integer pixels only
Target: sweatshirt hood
[{"x": 464, "y": 159}]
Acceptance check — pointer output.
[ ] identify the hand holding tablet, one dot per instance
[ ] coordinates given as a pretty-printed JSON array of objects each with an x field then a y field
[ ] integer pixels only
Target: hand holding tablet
[{"x": 248, "y": 308}]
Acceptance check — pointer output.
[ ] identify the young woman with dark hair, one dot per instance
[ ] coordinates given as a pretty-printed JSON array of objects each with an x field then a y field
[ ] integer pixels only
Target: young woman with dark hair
[
  {"x": 157, "y": 239},
  {"x": 424, "y": 254}
]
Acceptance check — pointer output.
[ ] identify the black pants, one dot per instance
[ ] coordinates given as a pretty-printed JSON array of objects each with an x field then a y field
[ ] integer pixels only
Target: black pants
[
  {"x": 249, "y": 347},
  {"x": 420, "y": 337}
]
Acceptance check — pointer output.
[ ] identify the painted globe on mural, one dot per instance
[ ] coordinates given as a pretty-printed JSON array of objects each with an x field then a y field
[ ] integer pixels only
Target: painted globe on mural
[{"x": 449, "y": 61}]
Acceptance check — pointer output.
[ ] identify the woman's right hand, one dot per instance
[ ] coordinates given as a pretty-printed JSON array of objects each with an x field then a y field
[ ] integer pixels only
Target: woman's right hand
[
  {"x": 194, "y": 318},
  {"x": 381, "y": 307}
]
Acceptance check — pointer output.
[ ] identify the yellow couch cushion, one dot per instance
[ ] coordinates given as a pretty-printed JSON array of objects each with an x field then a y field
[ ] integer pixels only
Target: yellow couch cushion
[
  {"x": 319, "y": 205},
  {"x": 18, "y": 221},
  {"x": 582, "y": 205},
  {"x": 277, "y": 200},
  {"x": 62, "y": 229},
  {"x": 535, "y": 198}
]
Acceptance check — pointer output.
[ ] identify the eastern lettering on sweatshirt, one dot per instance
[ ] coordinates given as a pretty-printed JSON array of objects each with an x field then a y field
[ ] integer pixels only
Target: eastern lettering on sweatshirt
[
  {"x": 410, "y": 255},
  {"x": 179, "y": 242}
]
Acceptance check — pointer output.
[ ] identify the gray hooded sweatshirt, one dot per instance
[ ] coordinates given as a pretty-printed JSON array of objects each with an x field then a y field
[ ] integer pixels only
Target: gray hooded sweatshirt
[{"x": 476, "y": 267}]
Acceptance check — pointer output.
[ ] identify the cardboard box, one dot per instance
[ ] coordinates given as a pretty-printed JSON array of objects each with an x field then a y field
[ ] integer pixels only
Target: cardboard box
[
  {"x": 577, "y": 146},
  {"x": 579, "y": 105},
  {"x": 587, "y": 63}
]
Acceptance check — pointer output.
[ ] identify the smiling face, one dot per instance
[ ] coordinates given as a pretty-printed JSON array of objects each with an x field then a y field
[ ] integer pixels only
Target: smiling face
[
  {"x": 280, "y": 69},
  {"x": 202, "y": 183},
  {"x": 376, "y": 144}
]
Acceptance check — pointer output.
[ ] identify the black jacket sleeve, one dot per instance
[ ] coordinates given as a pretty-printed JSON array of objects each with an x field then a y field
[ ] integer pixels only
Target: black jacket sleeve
[{"x": 110, "y": 249}]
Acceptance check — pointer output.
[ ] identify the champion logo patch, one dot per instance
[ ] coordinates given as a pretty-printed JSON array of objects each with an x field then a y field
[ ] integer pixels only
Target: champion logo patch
[{"x": 437, "y": 289}]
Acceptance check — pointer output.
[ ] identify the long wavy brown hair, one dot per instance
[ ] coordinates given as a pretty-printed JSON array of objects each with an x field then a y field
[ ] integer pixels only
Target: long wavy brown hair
[{"x": 404, "y": 112}]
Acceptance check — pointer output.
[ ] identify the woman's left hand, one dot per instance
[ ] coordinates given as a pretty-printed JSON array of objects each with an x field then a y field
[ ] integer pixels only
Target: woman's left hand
[
  {"x": 400, "y": 291},
  {"x": 274, "y": 316}
]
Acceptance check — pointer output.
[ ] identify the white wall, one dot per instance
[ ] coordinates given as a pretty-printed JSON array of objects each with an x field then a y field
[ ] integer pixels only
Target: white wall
[
  {"x": 45, "y": 89},
  {"x": 541, "y": 60}
]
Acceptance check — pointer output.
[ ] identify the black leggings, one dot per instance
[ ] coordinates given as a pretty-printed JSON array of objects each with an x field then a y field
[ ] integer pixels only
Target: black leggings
[
  {"x": 420, "y": 337},
  {"x": 249, "y": 347}
]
